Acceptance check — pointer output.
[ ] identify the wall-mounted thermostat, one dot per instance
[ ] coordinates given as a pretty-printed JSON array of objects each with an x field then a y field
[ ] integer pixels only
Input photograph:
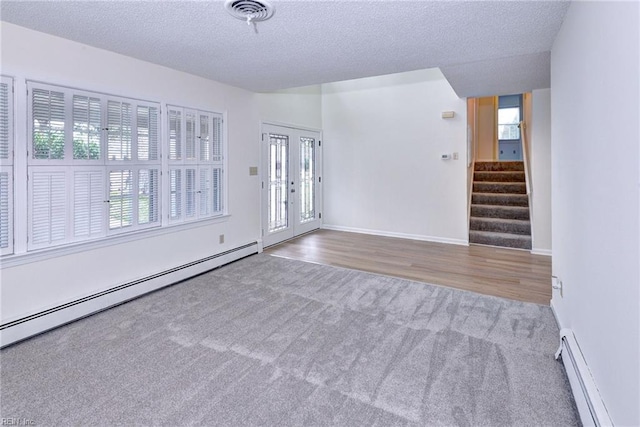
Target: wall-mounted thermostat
[
  {"x": 445, "y": 156},
  {"x": 448, "y": 114}
]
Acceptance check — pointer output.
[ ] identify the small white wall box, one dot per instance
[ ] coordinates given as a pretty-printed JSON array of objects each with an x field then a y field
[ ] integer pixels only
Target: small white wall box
[
  {"x": 448, "y": 114},
  {"x": 445, "y": 156}
]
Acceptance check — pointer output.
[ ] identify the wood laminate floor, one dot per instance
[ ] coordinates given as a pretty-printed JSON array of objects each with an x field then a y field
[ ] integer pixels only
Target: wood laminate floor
[{"x": 506, "y": 273}]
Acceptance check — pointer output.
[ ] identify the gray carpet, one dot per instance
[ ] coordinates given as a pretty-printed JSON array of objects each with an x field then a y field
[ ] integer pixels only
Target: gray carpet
[{"x": 270, "y": 341}]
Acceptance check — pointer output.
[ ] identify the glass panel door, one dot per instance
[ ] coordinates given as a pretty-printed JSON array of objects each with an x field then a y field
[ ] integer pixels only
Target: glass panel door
[
  {"x": 291, "y": 183},
  {"x": 307, "y": 179},
  {"x": 278, "y": 206}
]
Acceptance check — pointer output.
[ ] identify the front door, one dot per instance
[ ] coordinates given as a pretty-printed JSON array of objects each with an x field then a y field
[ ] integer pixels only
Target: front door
[{"x": 291, "y": 182}]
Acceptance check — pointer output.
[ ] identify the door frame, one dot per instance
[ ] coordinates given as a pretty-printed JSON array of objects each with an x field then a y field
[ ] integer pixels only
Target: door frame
[
  {"x": 262, "y": 187},
  {"x": 496, "y": 147}
]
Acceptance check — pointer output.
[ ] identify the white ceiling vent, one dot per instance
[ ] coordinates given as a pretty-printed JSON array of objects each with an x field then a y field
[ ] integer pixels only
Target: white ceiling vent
[{"x": 249, "y": 10}]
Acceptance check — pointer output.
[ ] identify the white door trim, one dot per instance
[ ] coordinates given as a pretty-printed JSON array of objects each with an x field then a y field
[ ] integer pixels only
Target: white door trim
[{"x": 295, "y": 226}]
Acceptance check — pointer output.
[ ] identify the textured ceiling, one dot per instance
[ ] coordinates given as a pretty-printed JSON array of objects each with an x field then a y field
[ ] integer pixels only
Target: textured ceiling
[{"x": 479, "y": 45}]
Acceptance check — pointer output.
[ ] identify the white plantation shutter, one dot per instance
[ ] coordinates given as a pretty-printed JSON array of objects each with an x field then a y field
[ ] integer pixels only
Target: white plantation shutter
[
  {"x": 88, "y": 203},
  {"x": 205, "y": 137},
  {"x": 147, "y": 132},
  {"x": 6, "y": 120},
  {"x": 6, "y": 213},
  {"x": 6, "y": 162},
  {"x": 94, "y": 165},
  {"x": 121, "y": 199},
  {"x": 190, "y": 135},
  {"x": 217, "y": 190},
  {"x": 190, "y": 193},
  {"x": 217, "y": 138},
  {"x": 206, "y": 191},
  {"x": 87, "y": 127},
  {"x": 195, "y": 180},
  {"x": 119, "y": 130},
  {"x": 175, "y": 194},
  {"x": 48, "y": 208},
  {"x": 148, "y": 196},
  {"x": 175, "y": 134},
  {"x": 48, "y": 124}
]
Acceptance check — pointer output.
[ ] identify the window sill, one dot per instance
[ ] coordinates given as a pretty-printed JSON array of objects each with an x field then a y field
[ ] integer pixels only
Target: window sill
[{"x": 8, "y": 261}]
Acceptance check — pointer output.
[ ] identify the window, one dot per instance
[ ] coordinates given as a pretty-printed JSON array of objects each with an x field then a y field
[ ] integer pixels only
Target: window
[
  {"x": 93, "y": 165},
  {"x": 6, "y": 166},
  {"x": 509, "y": 117},
  {"x": 195, "y": 164}
]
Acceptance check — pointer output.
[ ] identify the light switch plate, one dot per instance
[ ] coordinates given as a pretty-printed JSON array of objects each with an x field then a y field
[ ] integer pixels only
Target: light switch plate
[{"x": 253, "y": 170}]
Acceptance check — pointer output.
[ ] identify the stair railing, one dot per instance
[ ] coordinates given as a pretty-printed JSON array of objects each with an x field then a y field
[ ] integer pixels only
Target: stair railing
[
  {"x": 471, "y": 163},
  {"x": 527, "y": 166}
]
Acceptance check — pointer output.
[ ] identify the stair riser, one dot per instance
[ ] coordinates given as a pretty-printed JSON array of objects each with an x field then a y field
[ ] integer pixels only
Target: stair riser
[
  {"x": 478, "y": 224},
  {"x": 499, "y": 166},
  {"x": 499, "y": 212},
  {"x": 500, "y": 199},
  {"x": 499, "y": 176},
  {"x": 523, "y": 243},
  {"x": 487, "y": 187}
]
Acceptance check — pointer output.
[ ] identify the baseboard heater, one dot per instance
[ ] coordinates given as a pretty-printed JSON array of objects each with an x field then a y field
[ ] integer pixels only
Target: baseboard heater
[
  {"x": 37, "y": 323},
  {"x": 590, "y": 405}
]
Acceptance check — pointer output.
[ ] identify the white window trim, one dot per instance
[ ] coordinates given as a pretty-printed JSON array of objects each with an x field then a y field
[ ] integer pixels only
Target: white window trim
[
  {"x": 43, "y": 254},
  {"x": 70, "y": 166},
  {"x": 7, "y": 165},
  {"x": 183, "y": 163},
  {"x": 22, "y": 253}
]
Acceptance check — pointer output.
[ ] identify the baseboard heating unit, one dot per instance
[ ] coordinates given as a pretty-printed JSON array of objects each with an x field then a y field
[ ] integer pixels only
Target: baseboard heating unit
[
  {"x": 590, "y": 406},
  {"x": 36, "y": 323}
]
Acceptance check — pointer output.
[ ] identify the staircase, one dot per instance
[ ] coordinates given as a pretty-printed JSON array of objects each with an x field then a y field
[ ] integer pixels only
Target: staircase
[{"x": 500, "y": 206}]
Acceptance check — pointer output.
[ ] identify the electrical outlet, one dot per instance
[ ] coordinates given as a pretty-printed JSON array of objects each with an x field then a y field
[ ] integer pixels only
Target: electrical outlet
[
  {"x": 221, "y": 238},
  {"x": 455, "y": 155}
]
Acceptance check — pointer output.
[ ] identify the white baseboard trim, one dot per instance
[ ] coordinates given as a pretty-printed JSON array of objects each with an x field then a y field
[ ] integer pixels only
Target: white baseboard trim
[
  {"x": 37, "y": 323},
  {"x": 394, "y": 234},
  {"x": 588, "y": 400},
  {"x": 545, "y": 252}
]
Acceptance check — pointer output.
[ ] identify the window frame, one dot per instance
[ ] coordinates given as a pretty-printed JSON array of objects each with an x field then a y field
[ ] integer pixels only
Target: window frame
[
  {"x": 183, "y": 163},
  {"x": 70, "y": 165},
  {"x": 7, "y": 165},
  {"x": 24, "y": 251}
]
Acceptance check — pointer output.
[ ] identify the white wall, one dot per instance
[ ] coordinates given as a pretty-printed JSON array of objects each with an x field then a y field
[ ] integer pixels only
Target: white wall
[
  {"x": 539, "y": 132},
  {"x": 487, "y": 138},
  {"x": 34, "y": 286},
  {"x": 299, "y": 106},
  {"x": 595, "y": 195},
  {"x": 383, "y": 140}
]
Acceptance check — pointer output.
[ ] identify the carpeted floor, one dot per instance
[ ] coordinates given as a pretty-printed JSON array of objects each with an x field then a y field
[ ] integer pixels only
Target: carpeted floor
[{"x": 270, "y": 341}]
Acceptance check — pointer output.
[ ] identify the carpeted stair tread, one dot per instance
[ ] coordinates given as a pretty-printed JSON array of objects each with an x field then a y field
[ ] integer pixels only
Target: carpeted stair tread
[
  {"x": 506, "y": 212},
  {"x": 499, "y": 187},
  {"x": 499, "y": 176},
  {"x": 509, "y": 240},
  {"x": 500, "y": 205},
  {"x": 505, "y": 199},
  {"x": 499, "y": 225},
  {"x": 500, "y": 166}
]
